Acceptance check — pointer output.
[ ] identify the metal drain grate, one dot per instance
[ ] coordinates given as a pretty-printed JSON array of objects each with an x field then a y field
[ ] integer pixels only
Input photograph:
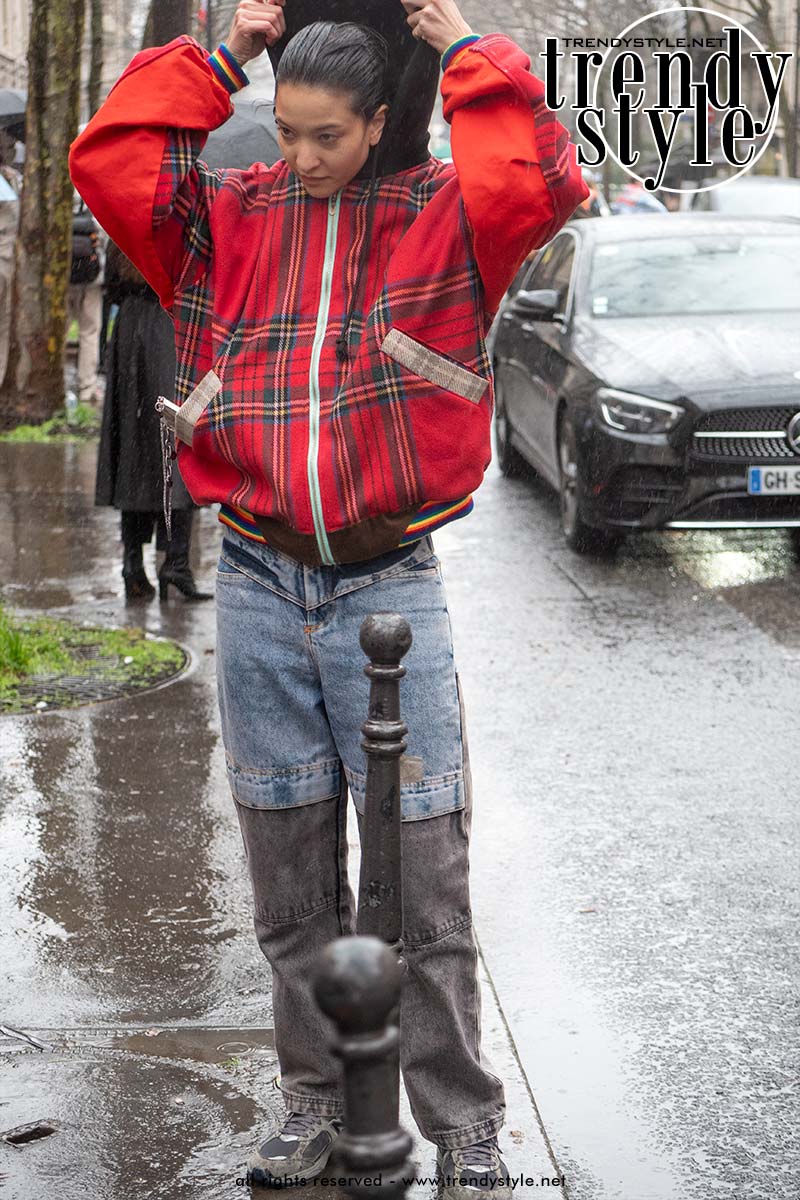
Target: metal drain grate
[{"x": 70, "y": 691}]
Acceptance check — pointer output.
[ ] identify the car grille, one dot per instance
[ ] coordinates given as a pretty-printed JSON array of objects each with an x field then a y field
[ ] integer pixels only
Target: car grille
[{"x": 744, "y": 434}]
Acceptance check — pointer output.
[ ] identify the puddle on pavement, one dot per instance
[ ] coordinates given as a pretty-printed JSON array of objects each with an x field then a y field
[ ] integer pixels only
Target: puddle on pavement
[
  {"x": 756, "y": 573},
  {"x": 58, "y": 550},
  {"x": 717, "y": 559},
  {"x": 173, "y": 1114},
  {"x": 222, "y": 1045},
  {"x": 131, "y": 1127}
]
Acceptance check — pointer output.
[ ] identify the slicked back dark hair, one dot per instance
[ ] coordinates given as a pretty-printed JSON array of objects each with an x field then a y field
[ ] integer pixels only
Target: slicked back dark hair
[{"x": 342, "y": 57}]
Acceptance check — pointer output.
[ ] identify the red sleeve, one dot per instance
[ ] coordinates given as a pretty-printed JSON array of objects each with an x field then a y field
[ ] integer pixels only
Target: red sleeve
[
  {"x": 516, "y": 166},
  {"x": 135, "y": 166}
]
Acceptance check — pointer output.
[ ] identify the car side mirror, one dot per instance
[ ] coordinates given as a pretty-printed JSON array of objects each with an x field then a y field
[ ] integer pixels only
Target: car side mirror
[{"x": 541, "y": 305}]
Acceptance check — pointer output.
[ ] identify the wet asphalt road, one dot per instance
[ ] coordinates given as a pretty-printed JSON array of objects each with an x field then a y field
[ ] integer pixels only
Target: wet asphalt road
[{"x": 635, "y": 863}]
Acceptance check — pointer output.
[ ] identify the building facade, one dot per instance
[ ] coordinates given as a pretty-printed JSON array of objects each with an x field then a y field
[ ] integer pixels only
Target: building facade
[{"x": 13, "y": 43}]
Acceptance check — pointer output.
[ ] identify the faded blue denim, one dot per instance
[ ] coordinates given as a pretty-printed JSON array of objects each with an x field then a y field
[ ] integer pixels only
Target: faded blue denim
[{"x": 293, "y": 693}]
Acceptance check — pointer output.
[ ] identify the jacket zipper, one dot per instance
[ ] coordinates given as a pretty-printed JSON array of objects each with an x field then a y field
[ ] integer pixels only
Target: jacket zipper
[{"x": 313, "y": 383}]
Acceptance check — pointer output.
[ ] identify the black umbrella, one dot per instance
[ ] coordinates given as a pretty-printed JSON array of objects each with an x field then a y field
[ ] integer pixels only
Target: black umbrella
[
  {"x": 12, "y": 106},
  {"x": 249, "y": 136}
]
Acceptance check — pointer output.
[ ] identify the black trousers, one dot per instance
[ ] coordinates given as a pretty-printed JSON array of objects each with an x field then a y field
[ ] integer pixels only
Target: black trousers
[{"x": 137, "y": 530}]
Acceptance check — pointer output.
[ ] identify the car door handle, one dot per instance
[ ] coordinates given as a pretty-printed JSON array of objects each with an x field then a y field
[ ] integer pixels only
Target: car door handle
[{"x": 507, "y": 316}]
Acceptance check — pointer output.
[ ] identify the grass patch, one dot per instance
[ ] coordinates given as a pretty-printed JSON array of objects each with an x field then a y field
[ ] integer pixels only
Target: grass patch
[
  {"x": 46, "y": 662},
  {"x": 82, "y": 423}
]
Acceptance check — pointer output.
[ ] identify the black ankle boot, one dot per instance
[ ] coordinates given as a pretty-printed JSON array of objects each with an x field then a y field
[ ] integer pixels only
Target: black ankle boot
[
  {"x": 181, "y": 577},
  {"x": 137, "y": 585},
  {"x": 175, "y": 569}
]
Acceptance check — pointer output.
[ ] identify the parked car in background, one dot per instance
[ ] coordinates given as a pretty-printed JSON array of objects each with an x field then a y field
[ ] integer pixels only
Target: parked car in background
[
  {"x": 633, "y": 200},
  {"x": 751, "y": 195},
  {"x": 649, "y": 370}
]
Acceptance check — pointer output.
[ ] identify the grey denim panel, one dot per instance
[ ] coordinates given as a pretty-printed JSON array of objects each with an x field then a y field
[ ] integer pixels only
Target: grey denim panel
[
  {"x": 454, "y": 1096},
  {"x": 297, "y": 860}
]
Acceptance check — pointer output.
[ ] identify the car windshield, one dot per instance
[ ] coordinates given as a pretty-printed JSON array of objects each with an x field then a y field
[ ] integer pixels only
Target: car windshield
[{"x": 708, "y": 273}]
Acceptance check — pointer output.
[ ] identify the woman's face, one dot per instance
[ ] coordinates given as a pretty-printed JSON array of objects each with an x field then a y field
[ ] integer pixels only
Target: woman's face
[{"x": 324, "y": 142}]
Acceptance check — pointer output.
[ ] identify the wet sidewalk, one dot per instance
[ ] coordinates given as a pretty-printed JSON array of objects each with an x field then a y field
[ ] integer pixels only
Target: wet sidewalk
[{"x": 125, "y": 926}]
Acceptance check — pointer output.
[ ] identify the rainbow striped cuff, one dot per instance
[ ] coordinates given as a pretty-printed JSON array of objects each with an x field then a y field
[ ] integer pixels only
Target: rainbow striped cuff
[
  {"x": 469, "y": 39},
  {"x": 227, "y": 69}
]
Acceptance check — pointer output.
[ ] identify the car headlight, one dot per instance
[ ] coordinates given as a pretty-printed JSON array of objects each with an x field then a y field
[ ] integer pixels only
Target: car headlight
[{"x": 637, "y": 414}]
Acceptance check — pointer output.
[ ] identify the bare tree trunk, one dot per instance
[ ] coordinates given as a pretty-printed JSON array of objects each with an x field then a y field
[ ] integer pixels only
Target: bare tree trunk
[
  {"x": 33, "y": 388},
  {"x": 96, "y": 64},
  {"x": 167, "y": 19}
]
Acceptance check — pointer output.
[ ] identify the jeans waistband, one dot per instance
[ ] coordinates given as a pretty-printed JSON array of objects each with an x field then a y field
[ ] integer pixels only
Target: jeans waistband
[{"x": 311, "y": 587}]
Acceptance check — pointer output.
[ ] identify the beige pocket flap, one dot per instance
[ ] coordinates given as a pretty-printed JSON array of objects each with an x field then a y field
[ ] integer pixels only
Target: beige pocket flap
[
  {"x": 434, "y": 367},
  {"x": 195, "y": 405}
]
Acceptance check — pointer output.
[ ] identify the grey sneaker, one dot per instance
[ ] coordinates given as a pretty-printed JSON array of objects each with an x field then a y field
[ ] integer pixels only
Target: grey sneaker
[
  {"x": 473, "y": 1173},
  {"x": 296, "y": 1153}
]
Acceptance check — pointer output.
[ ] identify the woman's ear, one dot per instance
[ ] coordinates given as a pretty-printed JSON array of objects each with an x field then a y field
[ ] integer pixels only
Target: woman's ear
[{"x": 377, "y": 124}]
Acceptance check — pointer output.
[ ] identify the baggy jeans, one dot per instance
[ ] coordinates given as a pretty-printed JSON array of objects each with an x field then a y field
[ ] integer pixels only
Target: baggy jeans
[{"x": 293, "y": 696}]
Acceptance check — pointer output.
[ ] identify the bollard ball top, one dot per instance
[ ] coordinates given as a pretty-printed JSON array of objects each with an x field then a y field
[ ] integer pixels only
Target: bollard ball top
[
  {"x": 357, "y": 983},
  {"x": 385, "y": 637}
]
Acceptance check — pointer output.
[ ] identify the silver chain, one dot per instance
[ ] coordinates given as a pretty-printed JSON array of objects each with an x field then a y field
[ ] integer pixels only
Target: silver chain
[{"x": 168, "y": 456}]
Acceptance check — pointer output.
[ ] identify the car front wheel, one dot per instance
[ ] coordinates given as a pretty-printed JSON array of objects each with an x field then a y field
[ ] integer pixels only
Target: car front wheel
[{"x": 579, "y": 536}]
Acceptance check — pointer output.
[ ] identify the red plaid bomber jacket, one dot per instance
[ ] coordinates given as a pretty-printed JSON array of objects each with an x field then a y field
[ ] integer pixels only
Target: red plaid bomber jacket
[{"x": 334, "y": 461}]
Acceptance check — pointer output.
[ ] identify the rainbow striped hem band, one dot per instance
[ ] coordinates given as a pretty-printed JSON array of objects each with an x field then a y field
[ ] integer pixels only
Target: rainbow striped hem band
[{"x": 429, "y": 518}]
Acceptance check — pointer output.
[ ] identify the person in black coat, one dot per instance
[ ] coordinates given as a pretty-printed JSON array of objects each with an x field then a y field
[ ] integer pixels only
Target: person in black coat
[{"x": 141, "y": 367}]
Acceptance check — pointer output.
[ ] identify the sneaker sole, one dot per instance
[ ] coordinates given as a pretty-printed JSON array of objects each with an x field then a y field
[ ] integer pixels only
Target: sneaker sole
[{"x": 262, "y": 1178}]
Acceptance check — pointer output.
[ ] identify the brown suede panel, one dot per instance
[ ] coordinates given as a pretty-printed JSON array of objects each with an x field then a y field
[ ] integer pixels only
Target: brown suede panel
[{"x": 358, "y": 543}]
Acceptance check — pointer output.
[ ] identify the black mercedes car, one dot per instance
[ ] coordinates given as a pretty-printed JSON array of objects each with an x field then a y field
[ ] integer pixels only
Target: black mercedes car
[{"x": 648, "y": 367}]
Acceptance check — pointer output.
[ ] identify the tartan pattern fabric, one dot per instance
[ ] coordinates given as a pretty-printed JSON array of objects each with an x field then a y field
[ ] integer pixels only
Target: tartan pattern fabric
[{"x": 237, "y": 257}]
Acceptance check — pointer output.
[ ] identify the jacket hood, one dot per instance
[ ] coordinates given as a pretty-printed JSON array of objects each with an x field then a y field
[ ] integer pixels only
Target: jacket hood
[{"x": 414, "y": 76}]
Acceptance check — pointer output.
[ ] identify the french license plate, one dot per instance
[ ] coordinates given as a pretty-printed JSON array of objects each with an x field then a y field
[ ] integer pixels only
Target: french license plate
[{"x": 773, "y": 481}]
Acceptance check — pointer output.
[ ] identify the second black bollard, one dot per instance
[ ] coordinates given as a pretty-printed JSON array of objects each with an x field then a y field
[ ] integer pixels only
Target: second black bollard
[
  {"x": 358, "y": 986},
  {"x": 359, "y": 978}
]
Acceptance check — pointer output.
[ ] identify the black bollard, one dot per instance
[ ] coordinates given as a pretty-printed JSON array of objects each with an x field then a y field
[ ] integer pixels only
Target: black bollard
[
  {"x": 385, "y": 639},
  {"x": 358, "y": 985}
]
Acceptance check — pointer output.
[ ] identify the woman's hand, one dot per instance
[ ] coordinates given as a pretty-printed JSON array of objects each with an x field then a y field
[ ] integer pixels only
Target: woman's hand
[
  {"x": 437, "y": 22},
  {"x": 256, "y": 25}
]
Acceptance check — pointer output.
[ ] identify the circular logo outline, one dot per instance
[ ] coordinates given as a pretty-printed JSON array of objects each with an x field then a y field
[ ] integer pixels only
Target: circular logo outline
[{"x": 768, "y": 136}]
